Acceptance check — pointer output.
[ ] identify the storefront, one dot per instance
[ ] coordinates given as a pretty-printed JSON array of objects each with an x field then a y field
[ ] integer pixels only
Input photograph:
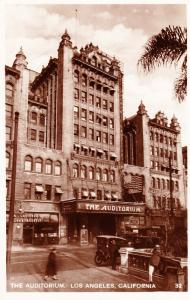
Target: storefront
[
  {"x": 98, "y": 217},
  {"x": 37, "y": 228}
]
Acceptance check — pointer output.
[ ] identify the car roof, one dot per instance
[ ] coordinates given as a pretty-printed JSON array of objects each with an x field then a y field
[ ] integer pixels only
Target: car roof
[{"x": 111, "y": 237}]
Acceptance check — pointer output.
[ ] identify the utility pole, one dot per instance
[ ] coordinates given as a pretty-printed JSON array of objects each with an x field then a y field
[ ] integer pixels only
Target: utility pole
[{"x": 12, "y": 199}]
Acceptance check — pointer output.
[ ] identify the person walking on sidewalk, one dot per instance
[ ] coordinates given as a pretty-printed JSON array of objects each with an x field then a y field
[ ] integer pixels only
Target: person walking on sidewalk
[
  {"x": 154, "y": 261},
  {"x": 51, "y": 268},
  {"x": 113, "y": 254}
]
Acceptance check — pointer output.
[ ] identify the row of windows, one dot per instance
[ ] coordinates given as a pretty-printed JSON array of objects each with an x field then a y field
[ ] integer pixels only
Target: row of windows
[
  {"x": 98, "y": 153},
  {"x": 92, "y": 117},
  {"x": 93, "y": 173},
  {"x": 158, "y": 166},
  {"x": 160, "y": 138},
  {"x": 35, "y": 135},
  {"x": 39, "y": 166},
  {"x": 96, "y": 135},
  {"x": 9, "y": 92},
  {"x": 42, "y": 192},
  {"x": 92, "y": 100},
  {"x": 156, "y": 151},
  {"x": 36, "y": 118},
  {"x": 164, "y": 184},
  {"x": 165, "y": 203},
  {"x": 95, "y": 194},
  {"x": 8, "y": 133},
  {"x": 9, "y": 110}
]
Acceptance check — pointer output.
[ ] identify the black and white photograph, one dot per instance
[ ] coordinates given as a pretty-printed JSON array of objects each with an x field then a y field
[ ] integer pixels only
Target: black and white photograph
[{"x": 96, "y": 141}]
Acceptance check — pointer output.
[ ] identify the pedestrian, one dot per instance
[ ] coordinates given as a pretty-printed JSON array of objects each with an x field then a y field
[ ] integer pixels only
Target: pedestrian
[
  {"x": 113, "y": 254},
  {"x": 154, "y": 261},
  {"x": 51, "y": 268}
]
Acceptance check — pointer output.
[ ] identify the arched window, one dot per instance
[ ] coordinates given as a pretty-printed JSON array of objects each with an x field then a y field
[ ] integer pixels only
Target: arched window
[
  {"x": 105, "y": 175},
  {"x": 153, "y": 182},
  {"x": 75, "y": 171},
  {"x": 163, "y": 184},
  {"x": 9, "y": 90},
  {"x": 91, "y": 172},
  {"x": 57, "y": 168},
  {"x": 98, "y": 174},
  {"x": 112, "y": 176},
  {"x": 84, "y": 80},
  {"x": 8, "y": 157},
  {"x": 42, "y": 119},
  {"x": 34, "y": 117},
  {"x": 83, "y": 172},
  {"x": 76, "y": 76},
  {"x": 48, "y": 166},
  {"x": 28, "y": 163},
  {"x": 38, "y": 165},
  {"x": 158, "y": 183}
]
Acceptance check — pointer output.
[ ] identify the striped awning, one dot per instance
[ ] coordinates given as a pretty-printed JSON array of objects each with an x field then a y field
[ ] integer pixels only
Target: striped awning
[
  {"x": 93, "y": 194},
  {"x": 39, "y": 189},
  {"x": 112, "y": 154},
  {"x": 108, "y": 195},
  {"x": 100, "y": 151},
  {"x": 58, "y": 190}
]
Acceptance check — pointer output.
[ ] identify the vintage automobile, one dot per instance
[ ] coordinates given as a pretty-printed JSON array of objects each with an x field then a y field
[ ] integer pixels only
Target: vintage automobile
[{"x": 102, "y": 256}]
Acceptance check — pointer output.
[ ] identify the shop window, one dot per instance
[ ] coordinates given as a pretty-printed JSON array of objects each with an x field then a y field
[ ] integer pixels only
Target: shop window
[
  {"x": 91, "y": 116},
  {"x": 9, "y": 110},
  {"x": 39, "y": 192},
  {"x": 105, "y": 175},
  {"x": 105, "y": 104},
  {"x": 75, "y": 171},
  {"x": 38, "y": 165},
  {"x": 111, "y": 107},
  {"x": 104, "y": 137},
  {"x": 34, "y": 117},
  {"x": 57, "y": 168},
  {"x": 112, "y": 176},
  {"x": 83, "y": 172},
  {"x": 98, "y": 136},
  {"x": 83, "y": 114},
  {"x": 91, "y": 99},
  {"x": 33, "y": 134},
  {"x": 76, "y": 94},
  {"x": 27, "y": 190},
  {"x": 41, "y": 136},
  {"x": 28, "y": 163},
  {"x": 98, "y": 174},
  {"x": 48, "y": 189},
  {"x": 111, "y": 123},
  {"x": 98, "y": 102},
  {"x": 8, "y": 133},
  {"x": 76, "y": 129},
  {"x": 8, "y": 159},
  {"x": 84, "y": 80},
  {"x": 91, "y": 173},
  {"x": 91, "y": 133},
  {"x": 76, "y": 112},
  {"x": 42, "y": 119},
  {"x": 76, "y": 76},
  {"x": 9, "y": 90},
  {"x": 48, "y": 166},
  {"x": 83, "y": 132},
  {"x": 111, "y": 139},
  {"x": 83, "y": 97},
  {"x": 99, "y": 195}
]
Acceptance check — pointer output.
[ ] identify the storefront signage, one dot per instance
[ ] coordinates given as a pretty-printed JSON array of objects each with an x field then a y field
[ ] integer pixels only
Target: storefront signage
[
  {"x": 122, "y": 208},
  {"x": 35, "y": 218}
]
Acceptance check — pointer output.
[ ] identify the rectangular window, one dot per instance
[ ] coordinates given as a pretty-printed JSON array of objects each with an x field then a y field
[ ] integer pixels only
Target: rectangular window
[
  {"x": 7, "y": 188},
  {"x": 76, "y": 112},
  {"x": 9, "y": 110},
  {"x": 111, "y": 123},
  {"x": 105, "y": 104},
  {"x": 98, "y": 102},
  {"x": 104, "y": 137},
  {"x": 34, "y": 117},
  {"x": 83, "y": 132},
  {"x": 27, "y": 190},
  {"x": 91, "y": 116},
  {"x": 48, "y": 192},
  {"x": 111, "y": 107},
  {"x": 38, "y": 192},
  {"x": 111, "y": 139},
  {"x": 83, "y": 97},
  {"x": 91, "y": 99},
  {"x": 8, "y": 133},
  {"x": 91, "y": 133},
  {"x": 98, "y": 136},
  {"x": 42, "y": 119},
  {"x": 76, "y": 129},
  {"x": 41, "y": 136},
  {"x": 105, "y": 121},
  {"x": 33, "y": 134},
  {"x": 83, "y": 114},
  {"x": 76, "y": 94},
  {"x": 98, "y": 119}
]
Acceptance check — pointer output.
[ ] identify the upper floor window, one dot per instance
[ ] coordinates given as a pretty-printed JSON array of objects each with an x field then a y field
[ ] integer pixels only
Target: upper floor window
[
  {"x": 57, "y": 168},
  {"x": 76, "y": 129},
  {"x": 27, "y": 190},
  {"x": 91, "y": 116},
  {"x": 104, "y": 137},
  {"x": 91, "y": 99},
  {"x": 158, "y": 183},
  {"x": 33, "y": 133},
  {"x": 75, "y": 171},
  {"x": 112, "y": 176},
  {"x": 76, "y": 112},
  {"x": 83, "y": 97},
  {"x": 9, "y": 90},
  {"x": 153, "y": 183},
  {"x": 111, "y": 107},
  {"x": 98, "y": 136},
  {"x": 91, "y": 172},
  {"x": 41, "y": 136},
  {"x": 83, "y": 132},
  {"x": 91, "y": 133},
  {"x": 94, "y": 61},
  {"x": 104, "y": 104},
  {"x": 105, "y": 121},
  {"x": 42, "y": 119},
  {"x": 83, "y": 114},
  {"x": 48, "y": 166},
  {"x": 9, "y": 110},
  {"x": 163, "y": 184},
  {"x": 83, "y": 172},
  {"x": 84, "y": 80},
  {"x": 156, "y": 137},
  {"x": 111, "y": 139},
  {"x": 76, "y": 76},
  {"x": 98, "y": 174},
  {"x": 98, "y": 102},
  {"x": 8, "y": 160},
  {"x": 76, "y": 94},
  {"x": 105, "y": 175},
  {"x": 8, "y": 133},
  {"x": 28, "y": 163},
  {"x": 38, "y": 165},
  {"x": 111, "y": 123},
  {"x": 34, "y": 117}
]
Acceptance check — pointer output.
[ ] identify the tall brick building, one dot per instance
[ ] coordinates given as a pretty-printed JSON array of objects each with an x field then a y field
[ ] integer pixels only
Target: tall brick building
[{"x": 69, "y": 146}]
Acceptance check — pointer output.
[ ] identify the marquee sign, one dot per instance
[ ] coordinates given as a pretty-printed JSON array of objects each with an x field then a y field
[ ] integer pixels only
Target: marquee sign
[{"x": 102, "y": 207}]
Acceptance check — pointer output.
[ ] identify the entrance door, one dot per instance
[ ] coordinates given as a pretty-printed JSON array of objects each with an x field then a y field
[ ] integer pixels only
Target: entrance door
[
  {"x": 27, "y": 233},
  {"x": 107, "y": 225}
]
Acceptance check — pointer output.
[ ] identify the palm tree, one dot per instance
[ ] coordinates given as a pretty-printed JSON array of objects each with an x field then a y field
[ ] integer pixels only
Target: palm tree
[{"x": 168, "y": 47}]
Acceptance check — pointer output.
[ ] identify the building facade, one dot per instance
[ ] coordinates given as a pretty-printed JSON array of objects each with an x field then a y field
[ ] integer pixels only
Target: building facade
[
  {"x": 69, "y": 146},
  {"x": 153, "y": 166}
]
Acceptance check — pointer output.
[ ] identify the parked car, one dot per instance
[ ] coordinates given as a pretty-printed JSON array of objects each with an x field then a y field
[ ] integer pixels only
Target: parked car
[{"x": 102, "y": 256}]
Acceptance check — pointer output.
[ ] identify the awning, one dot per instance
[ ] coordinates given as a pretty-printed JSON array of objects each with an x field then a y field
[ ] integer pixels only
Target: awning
[
  {"x": 77, "y": 145},
  {"x": 85, "y": 193},
  {"x": 92, "y": 149},
  {"x": 85, "y": 147},
  {"x": 58, "y": 190},
  {"x": 100, "y": 151},
  {"x": 39, "y": 189},
  {"x": 93, "y": 194},
  {"x": 114, "y": 196},
  {"x": 107, "y": 195},
  {"x": 112, "y": 154}
]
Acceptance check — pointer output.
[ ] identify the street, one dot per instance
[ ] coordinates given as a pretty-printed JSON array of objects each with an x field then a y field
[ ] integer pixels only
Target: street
[{"x": 76, "y": 272}]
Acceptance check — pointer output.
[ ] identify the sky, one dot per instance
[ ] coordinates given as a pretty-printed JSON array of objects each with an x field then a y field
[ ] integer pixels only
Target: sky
[{"x": 121, "y": 30}]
